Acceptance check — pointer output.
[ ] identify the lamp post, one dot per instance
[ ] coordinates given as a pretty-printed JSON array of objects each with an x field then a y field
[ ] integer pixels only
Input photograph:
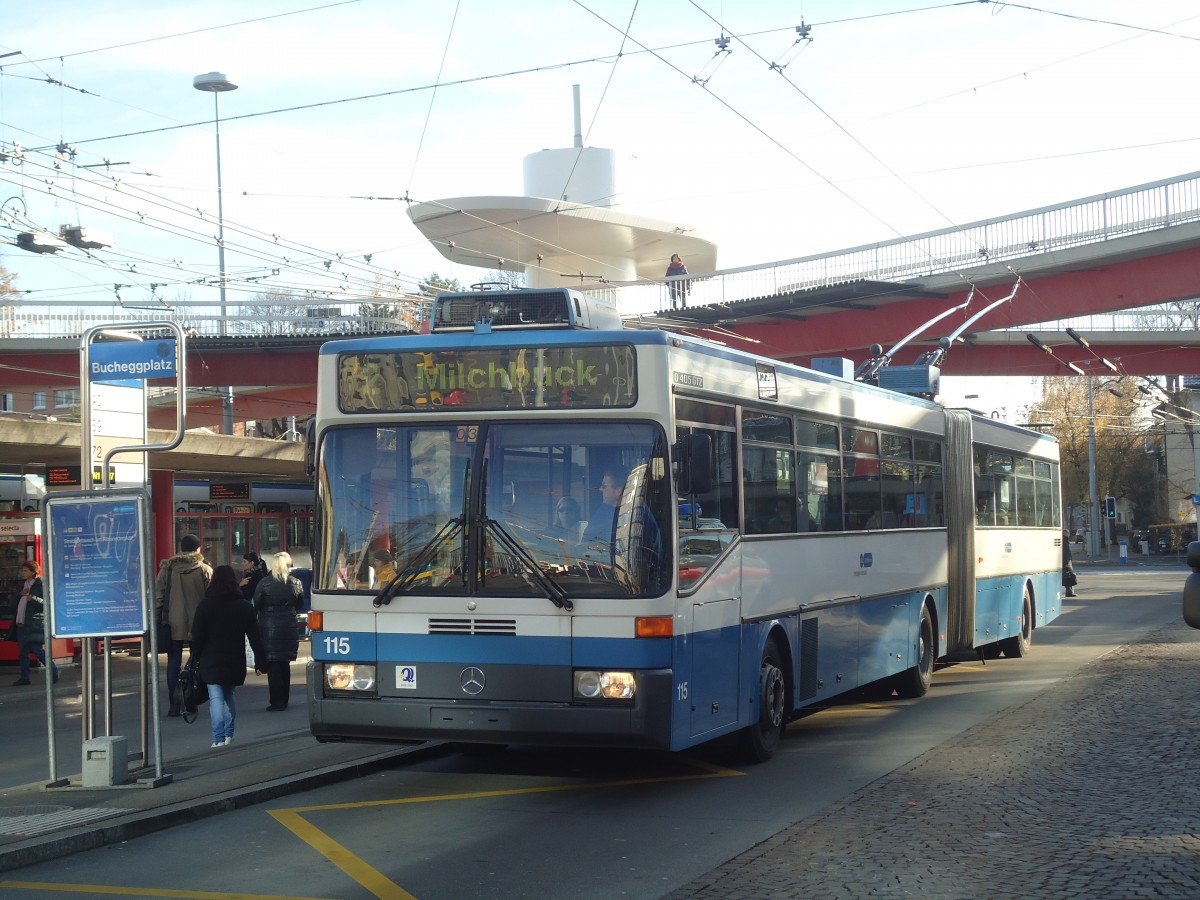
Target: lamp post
[
  {"x": 1093, "y": 496},
  {"x": 216, "y": 84}
]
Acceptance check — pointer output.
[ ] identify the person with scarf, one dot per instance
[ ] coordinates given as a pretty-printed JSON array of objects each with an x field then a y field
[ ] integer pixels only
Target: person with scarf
[
  {"x": 30, "y": 622},
  {"x": 679, "y": 289}
]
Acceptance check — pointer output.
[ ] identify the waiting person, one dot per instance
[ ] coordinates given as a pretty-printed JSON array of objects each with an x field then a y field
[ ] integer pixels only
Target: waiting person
[
  {"x": 277, "y": 599},
  {"x": 178, "y": 591},
  {"x": 223, "y": 623},
  {"x": 679, "y": 289},
  {"x": 253, "y": 571},
  {"x": 30, "y": 622},
  {"x": 1069, "y": 578}
]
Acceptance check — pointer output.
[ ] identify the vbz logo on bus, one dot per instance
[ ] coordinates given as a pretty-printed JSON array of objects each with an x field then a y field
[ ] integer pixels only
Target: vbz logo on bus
[{"x": 865, "y": 560}]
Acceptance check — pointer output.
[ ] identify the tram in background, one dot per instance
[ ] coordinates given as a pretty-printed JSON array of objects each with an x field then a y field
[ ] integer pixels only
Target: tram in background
[
  {"x": 232, "y": 518},
  {"x": 533, "y": 525}
]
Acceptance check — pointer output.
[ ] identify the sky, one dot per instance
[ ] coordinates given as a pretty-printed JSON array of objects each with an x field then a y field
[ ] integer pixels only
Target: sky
[{"x": 875, "y": 120}]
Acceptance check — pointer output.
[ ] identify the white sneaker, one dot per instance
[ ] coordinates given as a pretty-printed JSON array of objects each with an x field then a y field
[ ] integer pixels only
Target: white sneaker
[
  {"x": 227, "y": 742},
  {"x": 217, "y": 744}
]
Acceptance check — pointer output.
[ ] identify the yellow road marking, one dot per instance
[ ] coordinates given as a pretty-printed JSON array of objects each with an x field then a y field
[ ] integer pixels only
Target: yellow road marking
[
  {"x": 353, "y": 865},
  {"x": 361, "y": 872},
  {"x": 142, "y": 892},
  {"x": 383, "y": 888}
]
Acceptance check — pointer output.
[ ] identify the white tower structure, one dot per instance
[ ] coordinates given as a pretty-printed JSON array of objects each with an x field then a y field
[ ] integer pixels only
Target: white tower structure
[{"x": 564, "y": 232}]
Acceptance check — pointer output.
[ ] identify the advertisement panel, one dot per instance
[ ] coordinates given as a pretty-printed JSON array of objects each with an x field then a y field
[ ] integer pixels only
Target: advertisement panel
[{"x": 97, "y": 545}]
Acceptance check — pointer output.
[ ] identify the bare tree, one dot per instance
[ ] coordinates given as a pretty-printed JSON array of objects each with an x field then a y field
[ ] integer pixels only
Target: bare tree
[
  {"x": 392, "y": 308},
  {"x": 8, "y": 297},
  {"x": 276, "y": 312},
  {"x": 509, "y": 277},
  {"x": 436, "y": 284},
  {"x": 1123, "y": 467},
  {"x": 1178, "y": 315}
]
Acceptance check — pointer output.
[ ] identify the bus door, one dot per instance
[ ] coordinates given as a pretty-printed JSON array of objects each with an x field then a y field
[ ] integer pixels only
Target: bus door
[{"x": 710, "y": 576}]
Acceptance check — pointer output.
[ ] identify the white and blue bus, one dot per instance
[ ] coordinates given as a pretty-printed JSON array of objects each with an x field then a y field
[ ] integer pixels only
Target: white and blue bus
[{"x": 532, "y": 525}]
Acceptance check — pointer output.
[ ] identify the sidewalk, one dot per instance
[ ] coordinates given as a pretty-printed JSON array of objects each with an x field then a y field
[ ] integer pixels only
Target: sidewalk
[{"x": 272, "y": 756}]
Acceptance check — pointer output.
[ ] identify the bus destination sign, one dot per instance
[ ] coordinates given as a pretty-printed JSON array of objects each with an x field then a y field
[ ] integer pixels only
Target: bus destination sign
[{"x": 490, "y": 378}]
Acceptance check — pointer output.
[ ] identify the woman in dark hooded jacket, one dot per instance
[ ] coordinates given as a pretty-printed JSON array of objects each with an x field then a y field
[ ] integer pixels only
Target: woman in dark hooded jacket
[
  {"x": 224, "y": 622},
  {"x": 277, "y": 599}
]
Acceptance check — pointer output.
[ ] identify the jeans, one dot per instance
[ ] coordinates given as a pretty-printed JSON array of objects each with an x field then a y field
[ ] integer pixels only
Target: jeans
[
  {"x": 174, "y": 664},
  {"x": 25, "y": 647},
  {"x": 221, "y": 710}
]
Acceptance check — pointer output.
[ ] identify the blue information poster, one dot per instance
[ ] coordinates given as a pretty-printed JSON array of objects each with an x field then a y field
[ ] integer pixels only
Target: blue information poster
[{"x": 95, "y": 555}]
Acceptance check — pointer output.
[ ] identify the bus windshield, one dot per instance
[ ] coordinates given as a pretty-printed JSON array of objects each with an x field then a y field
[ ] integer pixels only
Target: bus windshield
[{"x": 555, "y": 510}]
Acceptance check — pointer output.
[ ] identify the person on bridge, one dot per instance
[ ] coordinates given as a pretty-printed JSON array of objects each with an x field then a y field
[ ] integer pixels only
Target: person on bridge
[
  {"x": 277, "y": 599},
  {"x": 30, "y": 622},
  {"x": 223, "y": 624},
  {"x": 679, "y": 289},
  {"x": 178, "y": 590}
]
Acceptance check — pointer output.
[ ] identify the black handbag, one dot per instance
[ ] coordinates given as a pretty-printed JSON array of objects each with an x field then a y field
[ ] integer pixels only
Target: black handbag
[
  {"x": 190, "y": 690},
  {"x": 1069, "y": 578}
]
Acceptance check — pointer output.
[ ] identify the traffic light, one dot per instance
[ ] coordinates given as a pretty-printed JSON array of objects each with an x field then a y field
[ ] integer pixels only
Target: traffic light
[{"x": 1110, "y": 507}]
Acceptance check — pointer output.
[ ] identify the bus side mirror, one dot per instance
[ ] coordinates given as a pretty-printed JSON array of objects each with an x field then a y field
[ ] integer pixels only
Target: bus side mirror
[
  {"x": 310, "y": 448},
  {"x": 1191, "y": 587},
  {"x": 695, "y": 464}
]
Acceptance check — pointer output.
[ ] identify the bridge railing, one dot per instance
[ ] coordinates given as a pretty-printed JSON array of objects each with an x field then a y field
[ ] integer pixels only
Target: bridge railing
[
  {"x": 197, "y": 322},
  {"x": 1090, "y": 220}
]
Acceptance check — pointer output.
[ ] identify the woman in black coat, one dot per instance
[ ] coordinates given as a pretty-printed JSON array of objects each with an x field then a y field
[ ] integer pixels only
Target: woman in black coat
[
  {"x": 224, "y": 622},
  {"x": 277, "y": 599},
  {"x": 253, "y": 571}
]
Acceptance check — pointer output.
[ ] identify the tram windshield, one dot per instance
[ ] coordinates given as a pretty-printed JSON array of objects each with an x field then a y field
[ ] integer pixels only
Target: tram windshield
[{"x": 555, "y": 510}]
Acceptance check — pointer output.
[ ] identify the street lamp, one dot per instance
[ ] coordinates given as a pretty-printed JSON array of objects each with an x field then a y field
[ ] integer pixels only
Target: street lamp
[{"x": 216, "y": 84}]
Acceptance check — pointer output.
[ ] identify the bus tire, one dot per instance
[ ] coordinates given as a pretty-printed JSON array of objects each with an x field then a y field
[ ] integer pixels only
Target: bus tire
[
  {"x": 1017, "y": 646},
  {"x": 760, "y": 740},
  {"x": 915, "y": 680}
]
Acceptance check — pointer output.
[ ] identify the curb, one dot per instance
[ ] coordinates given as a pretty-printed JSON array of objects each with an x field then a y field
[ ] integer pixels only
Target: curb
[{"x": 137, "y": 823}]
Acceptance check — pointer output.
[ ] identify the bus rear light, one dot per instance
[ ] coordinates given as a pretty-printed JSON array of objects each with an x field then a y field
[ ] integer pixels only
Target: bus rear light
[
  {"x": 316, "y": 621},
  {"x": 653, "y": 626}
]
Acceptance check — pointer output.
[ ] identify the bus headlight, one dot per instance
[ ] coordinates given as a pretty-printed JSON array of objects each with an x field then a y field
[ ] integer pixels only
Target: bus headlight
[
  {"x": 604, "y": 685},
  {"x": 349, "y": 677}
]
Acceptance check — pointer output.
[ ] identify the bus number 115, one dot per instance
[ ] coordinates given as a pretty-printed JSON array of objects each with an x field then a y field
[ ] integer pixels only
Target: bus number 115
[{"x": 337, "y": 646}]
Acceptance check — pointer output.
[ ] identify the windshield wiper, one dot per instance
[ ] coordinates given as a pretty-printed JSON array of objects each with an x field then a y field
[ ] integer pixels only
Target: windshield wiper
[
  {"x": 417, "y": 565},
  {"x": 551, "y": 588}
]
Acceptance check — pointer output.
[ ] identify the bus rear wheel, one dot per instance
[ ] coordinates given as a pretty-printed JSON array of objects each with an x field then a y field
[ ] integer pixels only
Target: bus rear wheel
[
  {"x": 915, "y": 680},
  {"x": 760, "y": 740},
  {"x": 1019, "y": 645}
]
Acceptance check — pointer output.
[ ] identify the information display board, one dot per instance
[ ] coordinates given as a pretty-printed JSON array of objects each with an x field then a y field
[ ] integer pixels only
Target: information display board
[{"x": 97, "y": 545}]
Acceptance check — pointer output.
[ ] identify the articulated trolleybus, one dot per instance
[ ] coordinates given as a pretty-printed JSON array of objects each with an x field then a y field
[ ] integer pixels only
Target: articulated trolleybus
[{"x": 532, "y": 525}]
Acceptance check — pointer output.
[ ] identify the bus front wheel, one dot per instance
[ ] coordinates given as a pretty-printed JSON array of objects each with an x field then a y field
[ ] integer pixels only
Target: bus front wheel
[
  {"x": 760, "y": 740},
  {"x": 915, "y": 680}
]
